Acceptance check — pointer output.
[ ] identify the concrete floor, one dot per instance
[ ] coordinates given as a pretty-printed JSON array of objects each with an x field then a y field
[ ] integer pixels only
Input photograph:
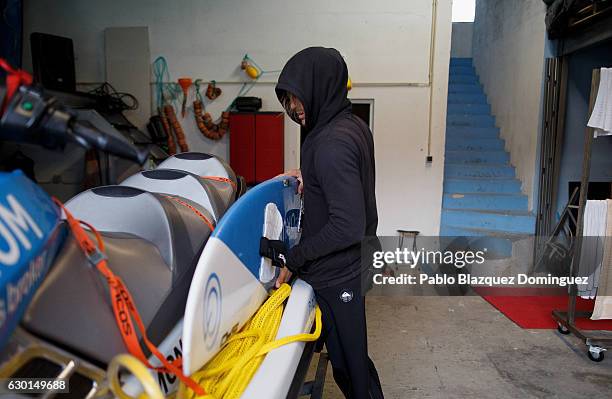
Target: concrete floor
[{"x": 462, "y": 347}]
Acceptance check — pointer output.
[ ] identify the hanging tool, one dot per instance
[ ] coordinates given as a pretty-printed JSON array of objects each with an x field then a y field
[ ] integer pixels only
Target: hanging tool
[{"x": 185, "y": 83}]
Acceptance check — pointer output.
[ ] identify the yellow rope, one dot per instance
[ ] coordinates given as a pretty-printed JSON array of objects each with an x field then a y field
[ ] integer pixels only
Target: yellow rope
[
  {"x": 139, "y": 370},
  {"x": 228, "y": 373}
]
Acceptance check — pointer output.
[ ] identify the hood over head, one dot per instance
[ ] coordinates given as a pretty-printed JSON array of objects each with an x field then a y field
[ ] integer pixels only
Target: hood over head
[{"x": 317, "y": 76}]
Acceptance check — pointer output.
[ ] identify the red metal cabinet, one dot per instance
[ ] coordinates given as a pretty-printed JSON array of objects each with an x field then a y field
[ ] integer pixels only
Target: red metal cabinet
[
  {"x": 257, "y": 145},
  {"x": 242, "y": 145}
]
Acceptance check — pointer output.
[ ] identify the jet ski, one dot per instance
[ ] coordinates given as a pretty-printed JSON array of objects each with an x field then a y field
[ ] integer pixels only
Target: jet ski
[
  {"x": 155, "y": 226},
  {"x": 153, "y": 241}
]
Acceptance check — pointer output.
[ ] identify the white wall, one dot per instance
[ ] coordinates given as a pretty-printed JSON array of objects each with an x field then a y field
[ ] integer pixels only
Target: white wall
[
  {"x": 461, "y": 42},
  {"x": 508, "y": 52},
  {"x": 386, "y": 45}
]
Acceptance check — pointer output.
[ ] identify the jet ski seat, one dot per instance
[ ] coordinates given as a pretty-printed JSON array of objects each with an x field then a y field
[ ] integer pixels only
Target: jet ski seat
[
  {"x": 200, "y": 164},
  {"x": 206, "y": 165},
  {"x": 151, "y": 216},
  {"x": 180, "y": 183},
  {"x": 152, "y": 242}
]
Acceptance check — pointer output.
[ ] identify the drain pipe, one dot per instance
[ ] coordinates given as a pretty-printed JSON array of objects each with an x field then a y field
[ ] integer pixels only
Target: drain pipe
[{"x": 432, "y": 51}]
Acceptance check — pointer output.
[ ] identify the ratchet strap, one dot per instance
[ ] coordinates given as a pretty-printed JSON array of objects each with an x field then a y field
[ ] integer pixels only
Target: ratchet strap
[{"x": 123, "y": 305}]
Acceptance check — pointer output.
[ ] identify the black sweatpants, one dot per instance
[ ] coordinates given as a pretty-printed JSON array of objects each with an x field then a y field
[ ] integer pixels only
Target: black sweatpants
[{"x": 345, "y": 336}]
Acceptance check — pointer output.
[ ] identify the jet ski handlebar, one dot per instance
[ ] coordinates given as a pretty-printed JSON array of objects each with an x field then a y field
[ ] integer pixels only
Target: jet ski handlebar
[{"x": 31, "y": 115}]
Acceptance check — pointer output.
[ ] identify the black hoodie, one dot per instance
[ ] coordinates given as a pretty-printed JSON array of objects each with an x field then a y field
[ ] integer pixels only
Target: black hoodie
[{"x": 337, "y": 164}]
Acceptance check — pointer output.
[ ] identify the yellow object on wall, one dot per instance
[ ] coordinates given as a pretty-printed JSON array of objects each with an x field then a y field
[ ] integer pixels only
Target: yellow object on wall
[{"x": 252, "y": 71}]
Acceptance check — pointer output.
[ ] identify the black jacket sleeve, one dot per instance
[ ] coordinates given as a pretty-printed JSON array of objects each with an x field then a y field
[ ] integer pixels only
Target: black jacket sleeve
[{"x": 338, "y": 173}]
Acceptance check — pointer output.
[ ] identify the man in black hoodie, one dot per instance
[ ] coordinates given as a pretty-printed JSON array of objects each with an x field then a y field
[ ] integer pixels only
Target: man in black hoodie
[{"x": 337, "y": 173}]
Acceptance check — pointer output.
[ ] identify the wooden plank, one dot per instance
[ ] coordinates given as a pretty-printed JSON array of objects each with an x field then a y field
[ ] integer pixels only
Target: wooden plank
[
  {"x": 595, "y": 33},
  {"x": 562, "y": 78},
  {"x": 584, "y": 186}
]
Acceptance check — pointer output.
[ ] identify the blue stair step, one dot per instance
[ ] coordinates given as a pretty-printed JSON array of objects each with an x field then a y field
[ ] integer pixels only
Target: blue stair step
[
  {"x": 473, "y": 144},
  {"x": 477, "y": 157},
  {"x": 470, "y": 120},
  {"x": 464, "y": 109},
  {"x": 466, "y": 98},
  {"x": 472, "y": 132},
  {"x": 462, "y": 69},
  {"x": 453, "y": 231},
  {"x": 463, "y": 79},
  {"x": 455, "y": 61},
  {"x": 511, "y": 222},
  {"x": 471, "y": 88},
  {"x": 487, "y": 201},
  {"x": 485, "y": 170},
  {"x": 459, "y": 231},
  {"x": 496, "y": 244},
  {"x": 478, "y": 185}
]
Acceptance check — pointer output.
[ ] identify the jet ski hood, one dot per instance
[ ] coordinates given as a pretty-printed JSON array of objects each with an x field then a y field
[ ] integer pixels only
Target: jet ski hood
[{"x": 317, "y": 76}]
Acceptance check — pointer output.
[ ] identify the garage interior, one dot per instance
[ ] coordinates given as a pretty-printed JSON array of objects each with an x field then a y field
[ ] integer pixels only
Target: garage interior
[{"x": 481, "y": 114}]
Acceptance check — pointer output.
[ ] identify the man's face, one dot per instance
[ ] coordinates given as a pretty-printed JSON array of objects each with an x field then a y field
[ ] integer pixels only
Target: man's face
[{"x": 297, "y": 108}]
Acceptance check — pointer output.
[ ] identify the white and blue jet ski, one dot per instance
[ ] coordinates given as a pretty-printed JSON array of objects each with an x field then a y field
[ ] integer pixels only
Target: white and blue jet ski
[{"x": 56, "y": 316}]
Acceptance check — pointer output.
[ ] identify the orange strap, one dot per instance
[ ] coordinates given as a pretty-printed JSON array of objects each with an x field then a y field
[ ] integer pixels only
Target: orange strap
[
  {"x": 194, "y": 210},
  {"x": 123, "y": 305},
  {"x": 221, "y": 179}
]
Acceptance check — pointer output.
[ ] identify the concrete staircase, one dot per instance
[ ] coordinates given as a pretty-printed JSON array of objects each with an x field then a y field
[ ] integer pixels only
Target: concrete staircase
[{"x": 482, "y": 197}]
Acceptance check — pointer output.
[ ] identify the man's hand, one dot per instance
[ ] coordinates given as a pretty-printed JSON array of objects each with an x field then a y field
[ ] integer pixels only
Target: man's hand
[
  {"x": 298, "y": 175},
  {"x": 283, "y": 277}
]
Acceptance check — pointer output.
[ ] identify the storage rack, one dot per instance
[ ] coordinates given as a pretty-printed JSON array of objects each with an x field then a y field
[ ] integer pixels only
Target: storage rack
[{"x": 595, "y": 341}]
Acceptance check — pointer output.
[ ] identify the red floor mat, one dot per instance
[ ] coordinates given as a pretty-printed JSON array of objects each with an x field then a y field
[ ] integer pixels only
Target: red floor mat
[{"x": 534, "y": 312}]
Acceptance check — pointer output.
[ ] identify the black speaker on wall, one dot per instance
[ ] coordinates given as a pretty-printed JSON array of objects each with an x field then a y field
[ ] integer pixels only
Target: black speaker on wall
[{"x": 53, "y": 61}]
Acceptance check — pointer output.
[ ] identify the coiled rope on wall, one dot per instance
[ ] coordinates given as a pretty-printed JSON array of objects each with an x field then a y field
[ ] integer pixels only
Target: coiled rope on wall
[
  {"x": 204, "y": 121},
  {"x": 166, "y": 96},
  {"x": 169, "y": 94}
]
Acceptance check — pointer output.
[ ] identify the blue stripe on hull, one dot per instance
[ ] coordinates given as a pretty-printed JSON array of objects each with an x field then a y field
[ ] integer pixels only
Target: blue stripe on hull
[{"x": 242, "y": 225}]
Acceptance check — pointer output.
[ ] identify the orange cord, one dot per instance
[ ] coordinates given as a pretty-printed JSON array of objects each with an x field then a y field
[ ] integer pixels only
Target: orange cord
[
  {"x": 198, "y": 213},
  {"x": 220, "y": 179}
]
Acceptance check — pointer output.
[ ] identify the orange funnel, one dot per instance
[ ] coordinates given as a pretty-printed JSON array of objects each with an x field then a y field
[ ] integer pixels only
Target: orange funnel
[{"x": 185, "y": 83}]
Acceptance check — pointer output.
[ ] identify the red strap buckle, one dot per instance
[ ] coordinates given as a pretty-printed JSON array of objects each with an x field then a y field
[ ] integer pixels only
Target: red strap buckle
[
  {"x": 14, "y": 79},
  {"x": 96, "y": 257}
]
